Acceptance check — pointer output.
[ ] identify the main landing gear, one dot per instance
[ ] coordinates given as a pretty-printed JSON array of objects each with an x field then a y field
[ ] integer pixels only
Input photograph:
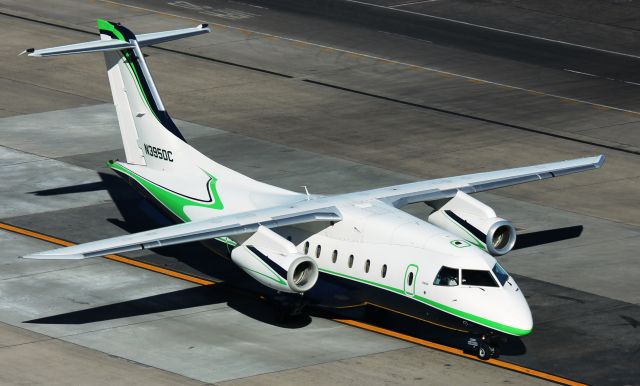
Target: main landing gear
[
  {"x": 484, "y": 346},
  {"x": 288, "y": 307}
]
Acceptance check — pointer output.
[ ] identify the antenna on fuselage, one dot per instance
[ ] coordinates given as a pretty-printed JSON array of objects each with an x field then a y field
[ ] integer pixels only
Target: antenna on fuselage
[{"x": 306, "y": 191}]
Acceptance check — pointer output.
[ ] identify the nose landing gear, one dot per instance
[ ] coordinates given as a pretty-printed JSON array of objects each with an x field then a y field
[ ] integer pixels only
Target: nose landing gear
[{"x": 484, "y": 346}]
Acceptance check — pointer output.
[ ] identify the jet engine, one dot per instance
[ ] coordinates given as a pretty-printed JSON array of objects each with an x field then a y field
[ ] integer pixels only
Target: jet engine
[
  {"x": 475, "y": 222},
  {"x": 275, "y": 262}
]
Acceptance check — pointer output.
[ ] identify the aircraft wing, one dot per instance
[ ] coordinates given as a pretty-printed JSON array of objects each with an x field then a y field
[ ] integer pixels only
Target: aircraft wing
[
  {"x": 431, "y": 190},
  {"x": 245, "y": 222}
]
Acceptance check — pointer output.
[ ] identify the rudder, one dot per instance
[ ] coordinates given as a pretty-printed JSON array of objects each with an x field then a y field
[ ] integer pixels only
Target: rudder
[{"x": 149, "y": 135}]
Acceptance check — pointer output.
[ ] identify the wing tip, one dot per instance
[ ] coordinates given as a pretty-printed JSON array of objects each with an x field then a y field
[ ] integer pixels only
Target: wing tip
[
  {"x": 54, "y": 256},
  {"x": 601, "y": 159}
]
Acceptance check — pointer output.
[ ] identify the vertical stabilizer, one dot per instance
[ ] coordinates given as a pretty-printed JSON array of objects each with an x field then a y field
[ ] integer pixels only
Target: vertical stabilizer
[
  {"x": 183, "y": 180},
  {"x": 149, "y": 135}
]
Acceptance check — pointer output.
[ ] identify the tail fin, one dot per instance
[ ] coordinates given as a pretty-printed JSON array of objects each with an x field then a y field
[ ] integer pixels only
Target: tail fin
[
  {"x": 149, "y": 135},
  {"x": 183, "y": 180}
]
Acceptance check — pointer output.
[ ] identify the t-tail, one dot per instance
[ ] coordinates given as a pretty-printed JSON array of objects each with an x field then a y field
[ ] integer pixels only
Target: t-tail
[{"x": 158, "y": 159}]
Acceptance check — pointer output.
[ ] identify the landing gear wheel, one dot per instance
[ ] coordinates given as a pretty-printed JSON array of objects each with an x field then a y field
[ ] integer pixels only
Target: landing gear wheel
[
  {"x": 286, "y": 310},
  {"x": 485, "y": 351}
]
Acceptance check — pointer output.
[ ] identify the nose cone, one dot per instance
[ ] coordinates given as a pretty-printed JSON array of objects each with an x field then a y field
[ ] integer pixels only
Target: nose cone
[{"x": 520, "y": 321}]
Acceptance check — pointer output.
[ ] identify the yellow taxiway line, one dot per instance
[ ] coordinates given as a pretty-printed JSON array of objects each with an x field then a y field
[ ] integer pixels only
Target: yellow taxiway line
[{"x": 353, "y": 323}]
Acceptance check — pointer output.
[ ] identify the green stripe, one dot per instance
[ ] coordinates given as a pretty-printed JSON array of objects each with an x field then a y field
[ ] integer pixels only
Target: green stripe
[
  {"x": 126, "y": 54},
  {"x": 474, "y": 318},
  {"x": 105, "y": 25},
  {"x": 173, "y": 201},
  {"x": 461, "y": 314}
]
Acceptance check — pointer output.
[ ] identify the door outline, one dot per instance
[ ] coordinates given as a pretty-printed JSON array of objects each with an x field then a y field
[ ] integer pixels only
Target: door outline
[{"x": 410, "y": 290}]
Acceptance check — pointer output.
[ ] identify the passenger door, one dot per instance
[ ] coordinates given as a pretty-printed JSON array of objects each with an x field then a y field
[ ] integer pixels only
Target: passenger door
[{"x": 410, "y": 279}]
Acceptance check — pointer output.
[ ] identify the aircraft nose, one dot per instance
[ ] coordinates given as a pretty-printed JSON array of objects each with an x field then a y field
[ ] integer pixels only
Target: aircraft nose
[{"x": 522, "y": 320}]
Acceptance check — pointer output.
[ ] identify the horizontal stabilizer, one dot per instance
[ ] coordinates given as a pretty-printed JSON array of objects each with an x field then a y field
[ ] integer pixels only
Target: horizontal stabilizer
[{"x": 113, "y": 45}]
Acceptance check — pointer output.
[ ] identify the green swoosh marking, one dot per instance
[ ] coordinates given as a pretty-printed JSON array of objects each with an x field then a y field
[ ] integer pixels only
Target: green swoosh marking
[{"x": 174, "y": 201}]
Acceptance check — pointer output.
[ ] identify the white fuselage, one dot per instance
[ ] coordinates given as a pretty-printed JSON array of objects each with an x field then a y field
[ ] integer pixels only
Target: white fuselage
[{"x": 380, "y": 246}]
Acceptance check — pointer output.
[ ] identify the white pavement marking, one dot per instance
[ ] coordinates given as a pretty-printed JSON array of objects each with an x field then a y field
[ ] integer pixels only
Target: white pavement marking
[
  {"x": 581, "y": 73},
  {"x": 497, "y": 29},
  {"x": 599, "y": 105},
  {"x": 412, "y": 3}
]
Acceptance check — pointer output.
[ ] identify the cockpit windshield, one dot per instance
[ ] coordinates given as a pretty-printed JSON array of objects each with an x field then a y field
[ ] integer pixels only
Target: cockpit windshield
[
  {"x": 447, "y": 277},
  {"x": 500, "y": 273},
  {"x": 478, "y": 278}
]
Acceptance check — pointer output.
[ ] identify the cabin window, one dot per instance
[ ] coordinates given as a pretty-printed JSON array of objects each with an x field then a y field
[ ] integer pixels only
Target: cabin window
[
  {"x": 447, "y": 277},
  {"x": 318, "y": 248},
  {"x": 500, "y": 273},
  {"x": 306, "y": 248},
  {"x": 478, "y": 278},
  {"x": 289, "y": 238},
  {"x": 350, "y": 261},
  {"x": 367, "y": 265},
  {"x": 334, "y": 256},
  {"x": 410, "y": 279},
  {"x": 384, "y": 270}
]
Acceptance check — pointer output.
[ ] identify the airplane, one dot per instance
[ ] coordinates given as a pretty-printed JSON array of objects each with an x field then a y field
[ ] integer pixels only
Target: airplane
[{"x": 311, "y": 249}]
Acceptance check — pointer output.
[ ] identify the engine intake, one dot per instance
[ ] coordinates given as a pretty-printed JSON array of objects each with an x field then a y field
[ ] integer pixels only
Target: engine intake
[
  {"x": 475, "y": 222},
  {"x": 275, "y": 262}
]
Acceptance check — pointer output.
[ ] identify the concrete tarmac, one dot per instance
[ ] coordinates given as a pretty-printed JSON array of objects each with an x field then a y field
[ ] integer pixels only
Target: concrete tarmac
[{"x": 330, "y": 109}]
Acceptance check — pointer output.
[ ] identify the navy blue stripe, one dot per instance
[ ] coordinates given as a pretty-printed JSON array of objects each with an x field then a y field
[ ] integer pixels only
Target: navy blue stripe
[
  {"x": 278, "y": 269},
  {"x": 473, "y": 230}
]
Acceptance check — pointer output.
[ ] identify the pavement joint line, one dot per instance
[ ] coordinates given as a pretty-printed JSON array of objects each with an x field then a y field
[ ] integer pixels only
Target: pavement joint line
[
  {"x": 51, "y": 89},
  {"x": 396, "y": 61},
  {"x": 353, "y": 323},
  {"x": 87, "y": 264},
  {"x": 473, "y": 117},
  {"x": 471, "y": 79}
]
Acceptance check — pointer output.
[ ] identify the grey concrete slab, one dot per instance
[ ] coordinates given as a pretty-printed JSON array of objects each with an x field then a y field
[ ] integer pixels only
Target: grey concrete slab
[
  {"x": 237, "y": 347},
  {"x": 34, "y": 359}
]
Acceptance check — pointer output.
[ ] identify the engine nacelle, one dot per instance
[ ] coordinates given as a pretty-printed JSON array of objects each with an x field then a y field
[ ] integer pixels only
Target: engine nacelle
[
  {"x": 475, "y": 222},
  {"x": 275, "y": 262}
]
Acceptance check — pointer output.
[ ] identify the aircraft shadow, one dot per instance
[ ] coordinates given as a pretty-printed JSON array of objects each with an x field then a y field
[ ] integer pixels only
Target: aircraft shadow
[
  {"x": 138, "y": 215},
  {"x": 246, "y": 304},
  {"x": 533, "y": 239}
]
